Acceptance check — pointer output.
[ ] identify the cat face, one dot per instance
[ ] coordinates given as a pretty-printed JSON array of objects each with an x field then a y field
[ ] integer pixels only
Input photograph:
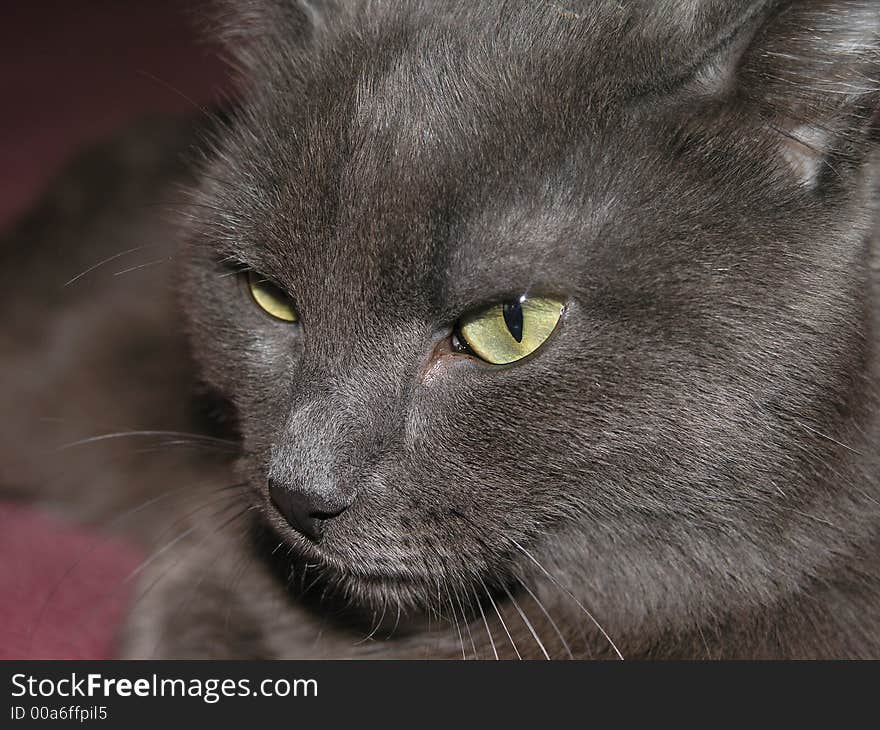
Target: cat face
[{"x": 688, "y": 281}]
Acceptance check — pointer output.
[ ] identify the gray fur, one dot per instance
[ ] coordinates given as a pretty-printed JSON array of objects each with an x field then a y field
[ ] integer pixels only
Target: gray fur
[{"x": 687, "y": 468}]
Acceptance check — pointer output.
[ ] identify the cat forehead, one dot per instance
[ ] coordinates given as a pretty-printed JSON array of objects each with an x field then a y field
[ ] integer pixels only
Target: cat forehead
[
  {"x": 622, "y": 42},
  {"x": 400, "y": 85},
  {"x": 424, "y": 123},
  {"x": 424, "y": 152},
  {"x": 396, "y": 173}
]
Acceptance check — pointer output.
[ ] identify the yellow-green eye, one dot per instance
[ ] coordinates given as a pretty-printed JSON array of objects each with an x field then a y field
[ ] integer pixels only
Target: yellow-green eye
[
  {"x": 271, "y": 298},
  {"x": 505, "y": 333}
]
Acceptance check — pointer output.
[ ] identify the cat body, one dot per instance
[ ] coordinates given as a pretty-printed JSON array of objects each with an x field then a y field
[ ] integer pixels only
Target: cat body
[{"x": 686, "y": 467}]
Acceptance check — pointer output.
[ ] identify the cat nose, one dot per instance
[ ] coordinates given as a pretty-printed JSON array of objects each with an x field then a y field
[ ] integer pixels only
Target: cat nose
[{"x": 307, "y": 510}]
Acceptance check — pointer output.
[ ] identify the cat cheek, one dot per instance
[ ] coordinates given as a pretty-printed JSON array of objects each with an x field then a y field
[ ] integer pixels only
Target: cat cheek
[{"x": 436, "y": 370}]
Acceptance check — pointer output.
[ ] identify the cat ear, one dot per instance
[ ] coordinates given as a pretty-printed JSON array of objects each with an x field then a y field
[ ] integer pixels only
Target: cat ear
[
  {"x": 246, "y": 26},
  {"x": 810, "y": 71}
]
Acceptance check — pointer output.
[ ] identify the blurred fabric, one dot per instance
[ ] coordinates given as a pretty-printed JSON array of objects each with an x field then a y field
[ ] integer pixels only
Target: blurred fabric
[
  {"x": 71, "y": 74},
  {"x": 63, "y": 590}
]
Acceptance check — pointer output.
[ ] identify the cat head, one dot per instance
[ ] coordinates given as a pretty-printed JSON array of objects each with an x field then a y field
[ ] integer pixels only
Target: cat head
[{"x": 503, "y": 290}]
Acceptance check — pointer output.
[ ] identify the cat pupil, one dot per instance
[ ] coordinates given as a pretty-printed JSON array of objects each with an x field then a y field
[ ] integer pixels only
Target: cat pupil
[{"x": 513, "y": 318}]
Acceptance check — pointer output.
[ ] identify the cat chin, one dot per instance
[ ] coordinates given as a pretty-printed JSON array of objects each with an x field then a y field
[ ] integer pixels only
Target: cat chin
[{"x": 331, "y": 576}]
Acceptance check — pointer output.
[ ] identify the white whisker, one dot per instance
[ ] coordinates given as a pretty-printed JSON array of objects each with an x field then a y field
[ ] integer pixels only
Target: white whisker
[
  {"x": 549, "y": 618},
  {"x": 101, "y": 263},
  {"x": 528, "y": 623},
  {"x": 486, "y": 624},
  {"x": 500, "y": 618},
  {"x": 570, "y": 595}
]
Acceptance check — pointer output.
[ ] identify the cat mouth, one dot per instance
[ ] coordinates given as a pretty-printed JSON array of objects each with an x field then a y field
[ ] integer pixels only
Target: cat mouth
[
  {"x": 309, "y": 553},
  {"x": 329, "y": 586},
  {"x": 315, "y": 573}
]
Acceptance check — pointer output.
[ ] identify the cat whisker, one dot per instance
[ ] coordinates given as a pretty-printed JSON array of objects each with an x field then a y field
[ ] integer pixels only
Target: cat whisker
[
  {"x": 165, "y": 260},
  {"x": 369, "y": 637},
  {"x": 828, "y": 438},
  {"x": 399, "y": 605},
  {"x": 456, "y": 624},
  {"x": 163, "y": 446},
  {"x": 313, "y": 584},
  {"x": 102, "y": 263},
  {"x": 570, "y": 595},
  {"x": 158, "y": 553},
  {"x": 234, "y": 272},
  {"x": 500, "y": 618},
  {"x": 464, "y": 618},
  {"x": 148, "y": 433},
  {"x": 439, "y": 605},
  {"x": 396, "y": 620},
  {"x": 172, "y": 88},
  {"x": 529, "y": 626},
  {"x": 486, "y": 624},
  {"x": 548, "y": 617},
  {"x": 705, "y": 643}
]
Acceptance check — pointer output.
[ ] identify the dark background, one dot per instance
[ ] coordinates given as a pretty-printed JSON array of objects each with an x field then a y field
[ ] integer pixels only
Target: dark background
[{"x": 74, "y": 71}]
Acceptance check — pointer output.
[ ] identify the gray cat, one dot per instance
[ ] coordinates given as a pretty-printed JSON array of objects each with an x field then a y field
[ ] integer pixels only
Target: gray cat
[{"x": 521, "y": 329}]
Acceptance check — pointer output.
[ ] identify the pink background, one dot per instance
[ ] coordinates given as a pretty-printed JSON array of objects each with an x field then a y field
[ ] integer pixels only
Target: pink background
[{"x": 72, "y": 72}]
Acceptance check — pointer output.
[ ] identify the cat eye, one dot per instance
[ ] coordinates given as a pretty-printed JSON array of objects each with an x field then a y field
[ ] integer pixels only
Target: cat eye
[
  {"x": 507, "y": 332},
  {"x": 271, "y": 298}
]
